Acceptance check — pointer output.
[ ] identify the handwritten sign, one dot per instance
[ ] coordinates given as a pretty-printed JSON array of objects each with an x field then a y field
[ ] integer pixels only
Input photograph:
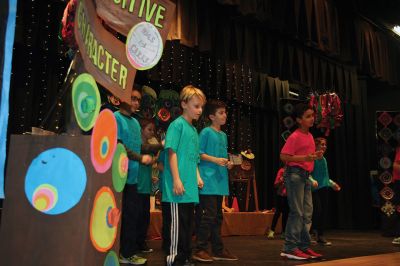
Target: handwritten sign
[{"x": 144, "y": 46}]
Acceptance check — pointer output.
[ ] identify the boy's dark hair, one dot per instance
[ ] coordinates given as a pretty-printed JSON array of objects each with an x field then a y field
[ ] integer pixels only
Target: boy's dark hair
[
  {"x": 137, "y": 87},
  {"x": 212, "y": 105},
  {"x": 300, "y": 109}
]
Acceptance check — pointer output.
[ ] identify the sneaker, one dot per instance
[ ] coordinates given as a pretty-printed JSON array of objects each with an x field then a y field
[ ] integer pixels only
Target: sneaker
[
  {"x": 202, "y": 256},
  {"x": 270, "y": 234},
  {"x": 322, "y": 241},
  {"x": 135, "y": 260},
  {"x": 145, "y": 248},
  {"x": 295, "y": 254},
  {"x": 225, "y": 255},
  {"x": 312, "y": 253},
  {"x": 396, "y": 241}
]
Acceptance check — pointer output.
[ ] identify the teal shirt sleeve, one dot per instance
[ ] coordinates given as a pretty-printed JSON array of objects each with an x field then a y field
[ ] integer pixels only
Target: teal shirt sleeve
[
  {"x": 173, "y": 137},
  {"x": 203, "y": 137}
]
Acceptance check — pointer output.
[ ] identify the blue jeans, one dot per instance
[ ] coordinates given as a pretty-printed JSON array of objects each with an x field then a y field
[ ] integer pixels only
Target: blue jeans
[{"x": 299, "y": 197}]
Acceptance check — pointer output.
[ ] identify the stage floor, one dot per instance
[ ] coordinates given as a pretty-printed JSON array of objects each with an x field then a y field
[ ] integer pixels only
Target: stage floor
[{"x": 258, "y": 250}]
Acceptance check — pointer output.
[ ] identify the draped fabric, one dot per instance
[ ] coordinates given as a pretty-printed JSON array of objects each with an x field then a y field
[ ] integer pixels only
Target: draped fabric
[{"x": 7, "y": 29}]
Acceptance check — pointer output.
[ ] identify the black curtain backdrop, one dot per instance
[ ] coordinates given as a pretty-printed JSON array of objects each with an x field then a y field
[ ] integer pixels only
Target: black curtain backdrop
[{"x": 246, "y": 70}]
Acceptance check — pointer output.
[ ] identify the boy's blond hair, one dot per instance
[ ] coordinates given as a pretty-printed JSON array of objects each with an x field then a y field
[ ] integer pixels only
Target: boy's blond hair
[{"x": 189, "y": 91}]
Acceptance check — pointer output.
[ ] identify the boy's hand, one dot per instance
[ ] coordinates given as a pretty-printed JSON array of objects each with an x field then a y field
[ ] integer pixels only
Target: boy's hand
[
  {"x": 200, "y": 182},
  {"x": 221, "y": 161},
  {"x": 319, "y": 154},
  {"x": 229, "y": 165},
  {"x": 314, "y": 184},
  {"x": 154, "y": 179},
  {"x": 178, "y": 187},
  {"x": 311, "y": 157},
  {"x": 336, "y": 187},
  {"x": 146, "y": 159}
]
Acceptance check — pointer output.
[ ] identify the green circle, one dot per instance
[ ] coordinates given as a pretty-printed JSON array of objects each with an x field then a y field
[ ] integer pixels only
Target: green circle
[
  {"x": 86, "y": 101},
  {"x": 118, "y": 175}
]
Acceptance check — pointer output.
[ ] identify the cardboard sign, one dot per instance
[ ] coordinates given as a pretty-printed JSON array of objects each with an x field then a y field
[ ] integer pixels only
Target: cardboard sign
[
  {"x": 103, "y": 54},
  {"x": 122, "y": 15}
]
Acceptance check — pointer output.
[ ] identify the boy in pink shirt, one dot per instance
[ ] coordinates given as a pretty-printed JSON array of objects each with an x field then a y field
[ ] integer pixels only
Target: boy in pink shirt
[{"x": 299, "y": 154}]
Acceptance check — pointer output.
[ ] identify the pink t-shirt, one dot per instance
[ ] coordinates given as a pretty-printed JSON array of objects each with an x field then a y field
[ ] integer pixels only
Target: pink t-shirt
[
  {"x": 396, "y": 174},
  {"x": 300, "y": 143}
]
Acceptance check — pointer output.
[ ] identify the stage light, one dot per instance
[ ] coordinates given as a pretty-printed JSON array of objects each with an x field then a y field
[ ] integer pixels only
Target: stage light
[{"x": 396, "y": 29}]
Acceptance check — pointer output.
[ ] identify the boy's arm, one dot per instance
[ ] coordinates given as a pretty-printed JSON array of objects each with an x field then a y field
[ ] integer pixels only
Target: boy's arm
[
  {"x": 178, "y": 188},
  {"x": 200, "y": 182},
  {"x": 299, "y": 158},
  {"x": 151, "y": 148},
  {"x": 144, "y": 159},
  {"x": 216, "y": 160},
  {"x": 334, "y": 185}
]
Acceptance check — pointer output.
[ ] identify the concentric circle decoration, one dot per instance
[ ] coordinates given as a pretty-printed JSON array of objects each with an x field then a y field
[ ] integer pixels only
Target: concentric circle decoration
[
  {"x": 385, "y": 119},
  {"x": 86, "y": 101},
  {"x": 104, "y": 141},
  {"x": 385, "y": 149},
  {"x": 385, "y": 162},
  {"x": 104, "y": 220},
  {"x": 385, "y": 133},
  {"x": 144, "y": 46},
  {"x": 387, "y": 193},
  {"x": 288, "y": 108},
  {"x": 111, "y": 259},
  {"x": 163, "y": 114},
  {"x": 120, "y": 168},
  {"x": 386, "y": 178},
  {"x": 288, "y": 122},
  {"x": 55, "y": 181}
]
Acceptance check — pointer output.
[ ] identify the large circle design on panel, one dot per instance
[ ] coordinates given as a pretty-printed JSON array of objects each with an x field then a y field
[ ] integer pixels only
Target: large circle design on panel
[
  {"x": 86, "y": 101},
  {"x": 104, "y": 141},
  {"x": 104, "y": 220},
  {"x": 55, "y": 181},
  {"x": 120, "y": 168}
]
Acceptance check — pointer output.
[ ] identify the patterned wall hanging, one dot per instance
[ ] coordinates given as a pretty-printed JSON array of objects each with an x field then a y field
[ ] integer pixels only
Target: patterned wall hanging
[{"x": 387, "y": 126}]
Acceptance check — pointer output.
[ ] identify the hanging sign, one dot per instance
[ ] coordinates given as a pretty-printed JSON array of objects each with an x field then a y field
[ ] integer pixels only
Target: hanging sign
[
  {"x": 144, "y": 46},
  {"x": 122, "y": 15},
  {"x": 103, "y": 54}
]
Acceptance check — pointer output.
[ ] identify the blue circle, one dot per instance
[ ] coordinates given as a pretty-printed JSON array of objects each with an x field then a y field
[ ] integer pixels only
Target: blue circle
[
  {"x": 62, "y": 169},
  {"x": 111, "y": 259},
  {"x": 104, "y": 147}
]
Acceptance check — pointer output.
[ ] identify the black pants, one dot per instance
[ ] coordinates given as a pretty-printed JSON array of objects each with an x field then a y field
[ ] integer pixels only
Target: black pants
[
  {"x": 209, "y": 220},
  {"x": 178, "y": 223},
  {"x": 130, "y": 221},
  {"x": 144, "y": 219},
  {"x": 281, "y": 206},
  {"x": 320, "y": 203}
]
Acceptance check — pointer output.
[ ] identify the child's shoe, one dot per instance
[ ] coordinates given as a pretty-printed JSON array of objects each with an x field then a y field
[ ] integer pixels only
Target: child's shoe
[
  {"x": 134, "y": 260},
  {"x": 295, "y": 254},
  {"x": 312, "y": 253},
  {"x": 396, "y": 241},
  {"x": 202, "y": 256},
  {"x": 225, "y": 255},
  {"x": 322, "y": 241},
  {"x": 270, "y": 234}
]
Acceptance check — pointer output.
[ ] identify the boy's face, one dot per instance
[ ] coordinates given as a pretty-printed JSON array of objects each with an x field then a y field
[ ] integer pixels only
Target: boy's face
[
  {"x": 193, "y": 108},
  {"x": 322, "y": 146},
  {"x": 307, "y": 120},
  {"x": 136, "y": 98},
  {"x": 219, "y": 118}
]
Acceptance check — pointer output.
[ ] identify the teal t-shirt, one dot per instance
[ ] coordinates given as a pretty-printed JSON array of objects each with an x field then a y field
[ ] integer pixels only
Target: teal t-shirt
[
  {"x": 129, "y": 133},
  {"x": 320, "y": 173},
  {"x": 144, "y": 179},
  {"x": 183, "y": 139},
  {"x": 215, "y": 177}
]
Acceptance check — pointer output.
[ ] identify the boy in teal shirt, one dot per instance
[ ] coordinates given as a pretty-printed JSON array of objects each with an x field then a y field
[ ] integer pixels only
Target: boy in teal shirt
[
  {"x": 213, "y": 170},
  {"x": 129, "y": 135},
  {"x": 181, "y": 177}
]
